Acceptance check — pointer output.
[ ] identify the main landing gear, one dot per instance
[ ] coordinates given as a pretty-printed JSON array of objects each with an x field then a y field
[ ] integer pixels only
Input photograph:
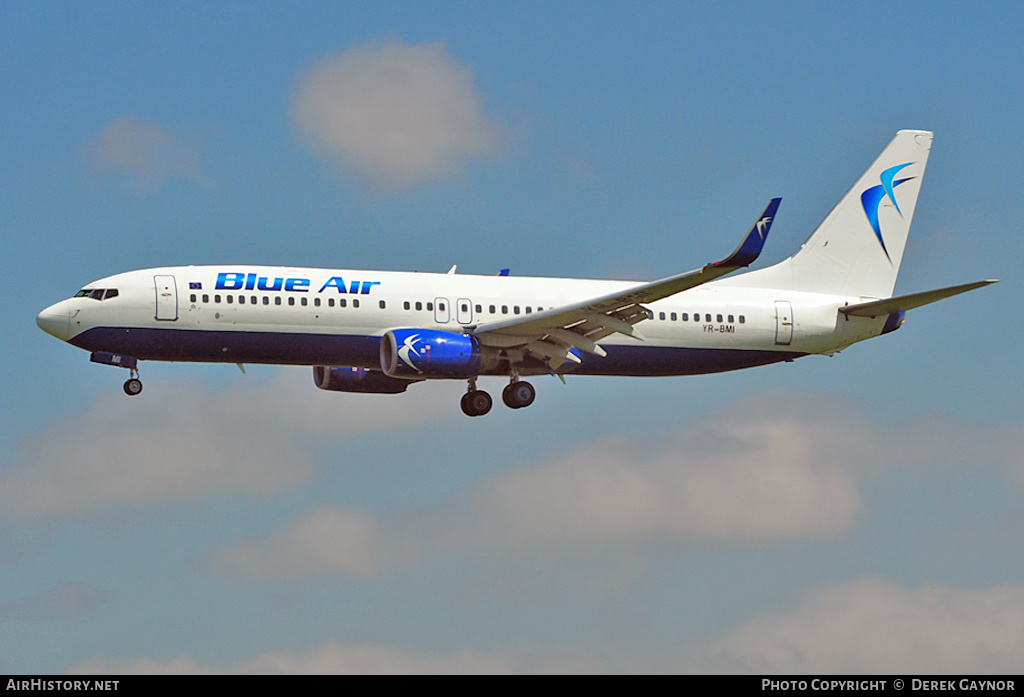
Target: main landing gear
[{"x": 516, "y": 395}]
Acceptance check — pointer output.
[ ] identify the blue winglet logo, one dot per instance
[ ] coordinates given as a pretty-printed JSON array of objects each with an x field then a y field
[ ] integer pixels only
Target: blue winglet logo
[{"x": 871, "y": 199}]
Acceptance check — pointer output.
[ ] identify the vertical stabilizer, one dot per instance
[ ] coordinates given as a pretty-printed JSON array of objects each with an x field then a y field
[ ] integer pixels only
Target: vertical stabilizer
[{"x": 857, "y": 249}]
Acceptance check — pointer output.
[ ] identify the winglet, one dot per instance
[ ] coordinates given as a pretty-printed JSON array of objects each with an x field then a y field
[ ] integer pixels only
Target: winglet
[{"x": 751, "y": 246}]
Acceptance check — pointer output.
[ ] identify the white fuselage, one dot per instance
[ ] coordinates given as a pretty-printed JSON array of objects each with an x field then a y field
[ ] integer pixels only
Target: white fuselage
[{"x": 258, "y": 314}]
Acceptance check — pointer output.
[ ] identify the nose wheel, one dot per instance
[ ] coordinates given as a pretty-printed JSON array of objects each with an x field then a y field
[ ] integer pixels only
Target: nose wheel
[{"x": 133, "y": 386}]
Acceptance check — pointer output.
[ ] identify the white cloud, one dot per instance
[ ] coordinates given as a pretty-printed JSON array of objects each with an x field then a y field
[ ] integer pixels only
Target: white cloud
[
  {"x": 736, "y": 478},
  {"x": 184, "y": 440},
  {"x": 866, "y": 626},
  {"x": 394, "y": 115},
  {"x": 875, "y": 626},
  {"x": 330, "y": 539},
  {"x": 145, "y": 152},
  {"x": 777, "y": 468}
]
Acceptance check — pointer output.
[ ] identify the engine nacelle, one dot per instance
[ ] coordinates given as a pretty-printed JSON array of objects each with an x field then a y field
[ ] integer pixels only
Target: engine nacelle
[
  {"x": 428, "y": 353},
  {"x": 357, "y": 380}
]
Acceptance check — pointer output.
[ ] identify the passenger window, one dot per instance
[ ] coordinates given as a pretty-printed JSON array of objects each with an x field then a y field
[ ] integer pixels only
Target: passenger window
[
  {"x": 465, "y": 307},
  {"x": 719, "y": 318},
  {"x": 206, "y": 298},
  {"x": 355, "y": 302},
  {"x": 673, "y": 316},
  {"x": 216, "y": 298},
  {"x": 731, "y": 319},
  {"x": 491, "y": 309},
  {"x": 330, "y": 302},
  {"x": 707, "y": 317},
  {"x": 661, "y": 315},
  {"x": 539, "y": 308},
  {"x": 406, "y": 305},
  {"x": 277, "y": 299},
  {"x": 430, "y": 307},
  {"x": 241, "y": 299},
  {"x": 515, "y": 309},
  {"x": 685, "y": 316},
  {"x": 742, "y": 319},
  {"x": 382, "y": 304},
  {"x": 303, "y": 302},
  {"x": 253, "y": 300},
  {"x": 440, "y": 307},
  {"x": 504, "y": 309},
  {"x": 419, "y": 305},
  {"x": 316, "y": 302},
  {"x": 529, "y": 309},
  {"x": 192, "y": 298},
  {"x": 342, "y": 302},
  {"x": 291, "y": 300},
  {"x": 230, "y": 299},
  {"x": 479, "y": 309},
  {"x": 266, "y": 300}
]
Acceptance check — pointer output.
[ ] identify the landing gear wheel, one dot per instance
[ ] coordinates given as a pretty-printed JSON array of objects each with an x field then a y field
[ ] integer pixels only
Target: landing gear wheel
[
  {"x": 132, "y": 387},
  {"x": 476, "y": 403},
  {"x": 518, "y": 394}
]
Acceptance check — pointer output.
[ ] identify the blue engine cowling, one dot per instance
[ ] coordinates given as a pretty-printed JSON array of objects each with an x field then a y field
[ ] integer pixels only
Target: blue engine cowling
[
  {"x": 357, "y": 380},
  {"x": 428, "y": 353}
]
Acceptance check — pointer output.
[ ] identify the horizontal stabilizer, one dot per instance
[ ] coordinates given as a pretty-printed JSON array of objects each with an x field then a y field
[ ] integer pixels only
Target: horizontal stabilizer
[{"x": 877, "y": 308}]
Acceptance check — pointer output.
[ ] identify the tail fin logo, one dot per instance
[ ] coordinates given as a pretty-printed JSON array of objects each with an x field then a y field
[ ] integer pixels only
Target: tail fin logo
[
  {"x": 762, "y": 225},
  {"x": 871, "y": 199}
]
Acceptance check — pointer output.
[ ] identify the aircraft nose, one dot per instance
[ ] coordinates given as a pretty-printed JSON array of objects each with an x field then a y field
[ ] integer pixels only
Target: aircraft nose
[{"x": 56, "y": 320}]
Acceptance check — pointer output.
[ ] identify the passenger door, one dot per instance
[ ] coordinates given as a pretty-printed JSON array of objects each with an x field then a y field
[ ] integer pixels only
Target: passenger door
[
  {"x": 166, "y": 298},
  {"x": 783, "y": 322}
]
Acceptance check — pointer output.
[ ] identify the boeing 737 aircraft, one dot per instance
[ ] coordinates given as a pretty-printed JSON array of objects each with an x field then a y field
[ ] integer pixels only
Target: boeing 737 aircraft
[{"x": 381, "y": 331}]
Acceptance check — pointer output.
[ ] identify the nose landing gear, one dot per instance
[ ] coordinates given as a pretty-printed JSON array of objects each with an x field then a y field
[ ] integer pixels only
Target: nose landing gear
[{"x": 133, "y": 385}]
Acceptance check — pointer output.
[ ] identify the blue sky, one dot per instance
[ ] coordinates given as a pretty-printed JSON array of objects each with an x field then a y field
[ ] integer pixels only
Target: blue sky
[{"x": 855, "y": 514}]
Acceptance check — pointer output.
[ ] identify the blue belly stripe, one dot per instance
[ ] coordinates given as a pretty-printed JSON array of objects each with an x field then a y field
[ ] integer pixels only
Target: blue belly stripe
[{"x": 212, "y": 346}]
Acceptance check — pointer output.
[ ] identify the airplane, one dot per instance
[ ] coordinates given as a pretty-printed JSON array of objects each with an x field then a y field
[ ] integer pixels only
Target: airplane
[{"x": 382, "y": 331}]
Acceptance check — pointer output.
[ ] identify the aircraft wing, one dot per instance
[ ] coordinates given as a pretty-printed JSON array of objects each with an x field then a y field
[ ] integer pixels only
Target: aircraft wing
[{"x": 550, "y": 335}]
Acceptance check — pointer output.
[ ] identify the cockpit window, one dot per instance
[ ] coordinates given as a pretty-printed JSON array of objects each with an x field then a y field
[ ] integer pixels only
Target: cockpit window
[{"x": 97, "y": 293}]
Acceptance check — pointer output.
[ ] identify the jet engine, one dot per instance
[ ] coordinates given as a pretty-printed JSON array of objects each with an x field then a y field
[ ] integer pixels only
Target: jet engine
[
  {"x": 429, "y": 353},
  {"x": 357, "y": 380}
]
